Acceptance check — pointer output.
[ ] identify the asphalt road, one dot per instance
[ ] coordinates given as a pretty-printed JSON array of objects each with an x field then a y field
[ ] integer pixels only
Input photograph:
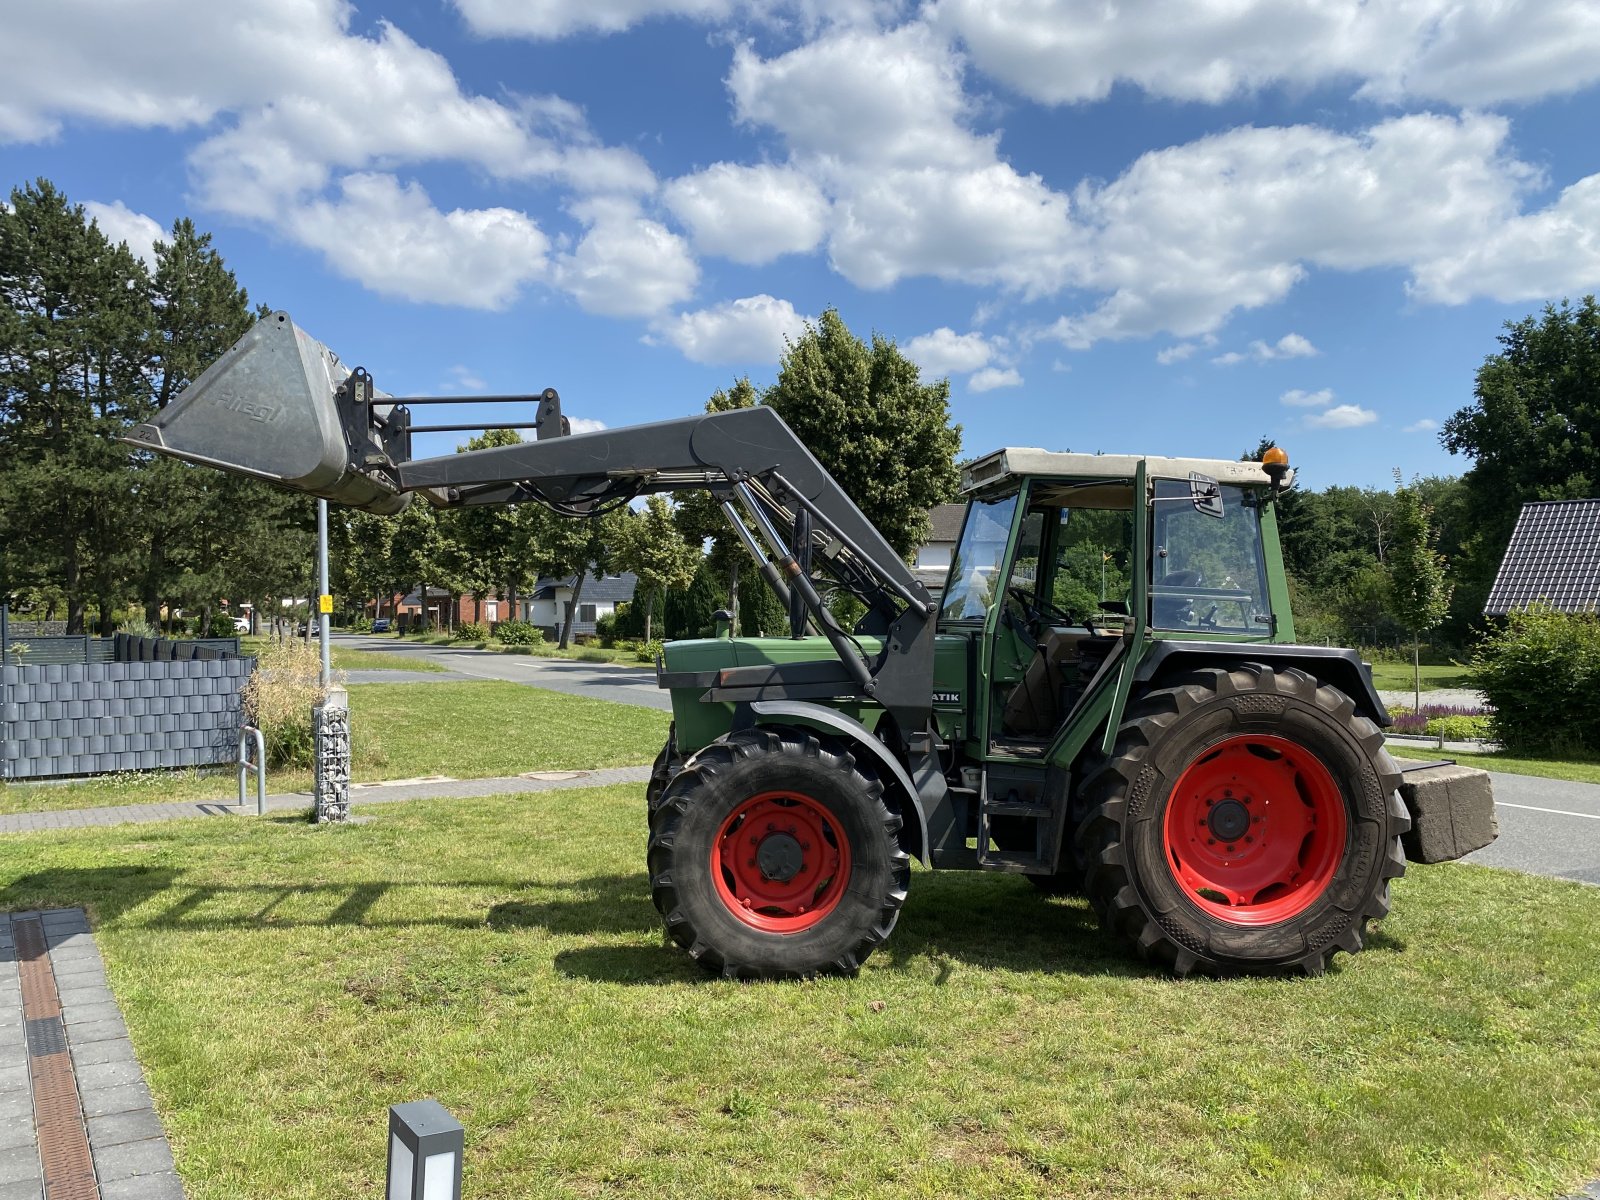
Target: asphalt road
[
  {"x": 1547, "y": 826},
  {"x": 624, "y": 685}
]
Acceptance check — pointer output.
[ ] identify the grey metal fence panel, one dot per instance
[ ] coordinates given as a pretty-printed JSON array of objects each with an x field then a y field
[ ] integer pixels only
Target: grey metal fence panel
[{"x": 96, "y": 718}]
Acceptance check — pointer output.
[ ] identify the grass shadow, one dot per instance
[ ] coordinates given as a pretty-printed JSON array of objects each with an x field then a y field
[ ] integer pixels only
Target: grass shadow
[{"x": 984, "y": 921}]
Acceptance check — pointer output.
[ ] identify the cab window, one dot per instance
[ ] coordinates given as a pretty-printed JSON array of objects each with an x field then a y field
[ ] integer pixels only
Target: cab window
[
  {"x": 975, "y": 570},
  {"x": 1207, "y": 572}
]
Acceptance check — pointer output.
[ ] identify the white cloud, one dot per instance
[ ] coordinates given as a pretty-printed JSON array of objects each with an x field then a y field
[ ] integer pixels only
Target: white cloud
[
  {"x": 891, "y": 98},
  {"x": 465, "y": 379},
  {"x": 558, "y": 18},
  {"x": 1187, "y": 235},
  {"x": 751, "y": 330},
  {"x": 990, "y": 378},
  {"x": 1069, "y": 51},
  {"x": 584, "y": 425},
  {"x": 1296, "y": 398},
  {"x": 986, "y": 226},
  {"x": 749, "y": 214},
  {"x": 627, "y": 265},
  {"x": 1530, "y": 257},
  {"x": 946, "y": 352},
  {"x": 1425, "y": 425},
  {"x": 310, "y": 118},
  {"x": 391, "y": 238},
  {"x": 1290, "y": 345},
  {"x": 1176, "y": 353},
  {"x": 121, "y": 224},
  {"x": 1342, "y": 416},
  {"x": 547, "y": 19}
]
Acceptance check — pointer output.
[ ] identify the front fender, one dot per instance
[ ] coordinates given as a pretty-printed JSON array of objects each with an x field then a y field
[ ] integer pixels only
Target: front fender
[{"x": 821, "y": 717}]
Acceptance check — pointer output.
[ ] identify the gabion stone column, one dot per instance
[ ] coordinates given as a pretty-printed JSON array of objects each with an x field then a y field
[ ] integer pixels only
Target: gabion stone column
[{"x": 330, "y": 723}]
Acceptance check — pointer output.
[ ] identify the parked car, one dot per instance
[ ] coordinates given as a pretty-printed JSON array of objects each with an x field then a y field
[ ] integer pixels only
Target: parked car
[
  {"x": 241, "y": 624},
  {"x": 380, "y": 625}
]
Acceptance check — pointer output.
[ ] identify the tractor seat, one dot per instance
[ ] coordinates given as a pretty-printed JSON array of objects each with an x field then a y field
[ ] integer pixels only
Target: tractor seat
[{"x": 1065, "y": 661}]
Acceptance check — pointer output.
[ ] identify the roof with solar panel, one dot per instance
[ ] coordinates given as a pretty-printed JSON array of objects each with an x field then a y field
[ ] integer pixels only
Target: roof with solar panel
[{"x": 1553, "y": 559}]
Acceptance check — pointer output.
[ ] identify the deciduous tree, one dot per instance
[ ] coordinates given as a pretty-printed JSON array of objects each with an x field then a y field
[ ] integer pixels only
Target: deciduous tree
[
  {"x": 1419, "y": 588},
  {"x": 864, "y": 412}
]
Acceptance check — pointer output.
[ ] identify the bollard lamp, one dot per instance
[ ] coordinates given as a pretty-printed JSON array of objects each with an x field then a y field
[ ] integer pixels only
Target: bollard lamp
[{"x": 425, "y": 1144}]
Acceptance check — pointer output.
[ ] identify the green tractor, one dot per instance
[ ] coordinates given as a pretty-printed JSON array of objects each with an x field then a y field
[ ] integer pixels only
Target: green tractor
[
  {"x": 1106, "y": 697},
  {"x": 1119, "y": 708}
]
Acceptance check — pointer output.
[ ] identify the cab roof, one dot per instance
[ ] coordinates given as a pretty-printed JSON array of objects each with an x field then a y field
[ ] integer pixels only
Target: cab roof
[{"x": 1019, "y": 462}]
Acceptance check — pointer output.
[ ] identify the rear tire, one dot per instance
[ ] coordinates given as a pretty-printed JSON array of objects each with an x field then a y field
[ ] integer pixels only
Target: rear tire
[
  {"x": 773, "y": 855},
  {"x": 663, "y": 771},
  {"x": 1247, "y": 822}
]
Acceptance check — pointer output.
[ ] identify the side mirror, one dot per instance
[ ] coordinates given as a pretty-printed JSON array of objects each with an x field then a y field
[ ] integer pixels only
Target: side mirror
[{"x": 1118, "y": 607}]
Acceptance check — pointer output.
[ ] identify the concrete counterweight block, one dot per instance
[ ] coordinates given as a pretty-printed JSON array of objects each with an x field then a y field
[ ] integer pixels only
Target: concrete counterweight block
[{"x": 1452, "y": 812}]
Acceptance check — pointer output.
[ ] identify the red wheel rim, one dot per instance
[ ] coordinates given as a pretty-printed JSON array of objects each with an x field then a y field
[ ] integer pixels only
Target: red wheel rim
[
  {"x": 781, "y": 863},
  {"x": 1255, "y": 829}
]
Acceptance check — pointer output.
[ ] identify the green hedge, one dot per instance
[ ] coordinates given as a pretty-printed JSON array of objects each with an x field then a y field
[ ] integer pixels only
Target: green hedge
[
  {"x": 519, "y": 633},
  {"x": 1541, "y": 674}
]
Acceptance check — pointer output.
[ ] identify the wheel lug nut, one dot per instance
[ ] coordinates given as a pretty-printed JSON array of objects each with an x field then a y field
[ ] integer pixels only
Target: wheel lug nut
[
  {"x": 1211, "y": 841},
  {"x": 1230, "y": 849},
  {"x": 1248, "y": 838}
]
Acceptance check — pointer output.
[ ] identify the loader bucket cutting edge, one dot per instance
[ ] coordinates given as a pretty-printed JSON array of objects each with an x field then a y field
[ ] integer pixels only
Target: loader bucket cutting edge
[{"x": 267, "y": 409}]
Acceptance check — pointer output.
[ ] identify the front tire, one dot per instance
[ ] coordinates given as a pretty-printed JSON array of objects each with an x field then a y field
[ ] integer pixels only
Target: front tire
[
  {"x": 1247, "y": 822},
  {"x": 773, "y": 855}
]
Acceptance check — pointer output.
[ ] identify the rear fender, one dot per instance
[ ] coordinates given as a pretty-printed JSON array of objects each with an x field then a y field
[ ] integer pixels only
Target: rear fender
[
  {"x": 1335, "y": 667},
  {"x": 914, "y": 827}
]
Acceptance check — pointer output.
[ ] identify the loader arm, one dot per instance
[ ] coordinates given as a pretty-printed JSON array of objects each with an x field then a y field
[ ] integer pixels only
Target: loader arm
[{"x": 282, "y": 407}]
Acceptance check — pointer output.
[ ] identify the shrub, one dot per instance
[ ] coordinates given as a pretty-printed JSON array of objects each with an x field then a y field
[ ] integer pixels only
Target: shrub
[
  {"x": 472, "y": 632},
  {"x": 605, "y": 628},
  {"x": 628, "y": 620},
  {"x": 519, "y": 633},
  {"x": 1541, "y": 673},
  {"x": 362, "y": 624},
  {"x": 647, "y": 651},
  {"x": 592, "y": 656},
  {"x": 279, "y": 696},
  {"x": 1461, "y": 729}
]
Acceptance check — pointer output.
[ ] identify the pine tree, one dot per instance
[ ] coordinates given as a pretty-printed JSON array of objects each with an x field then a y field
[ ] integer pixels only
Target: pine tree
[{"x": 75, "y": 337}]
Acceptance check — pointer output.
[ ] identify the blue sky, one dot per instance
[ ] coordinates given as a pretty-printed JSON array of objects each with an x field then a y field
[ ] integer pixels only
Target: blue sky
[{"x": 1165, "y": 227}]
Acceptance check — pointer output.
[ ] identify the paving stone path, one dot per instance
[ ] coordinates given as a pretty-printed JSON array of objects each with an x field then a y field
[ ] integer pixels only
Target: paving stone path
[{"x": 76, "y": 1120}]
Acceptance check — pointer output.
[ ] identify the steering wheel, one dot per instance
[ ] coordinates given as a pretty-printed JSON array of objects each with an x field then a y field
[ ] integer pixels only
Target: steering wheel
[{"x": 1039, "y": 609}]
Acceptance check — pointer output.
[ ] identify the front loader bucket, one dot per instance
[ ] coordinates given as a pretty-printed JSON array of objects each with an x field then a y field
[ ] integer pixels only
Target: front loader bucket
[{"x": 268, "y": 408}]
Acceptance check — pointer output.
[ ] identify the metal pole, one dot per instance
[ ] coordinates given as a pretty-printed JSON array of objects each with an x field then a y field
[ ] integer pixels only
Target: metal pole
[{"x": 322, "y": 590}]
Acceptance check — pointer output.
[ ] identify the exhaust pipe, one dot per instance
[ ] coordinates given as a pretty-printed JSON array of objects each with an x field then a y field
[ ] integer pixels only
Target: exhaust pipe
[{"x": 280, "y": 406}]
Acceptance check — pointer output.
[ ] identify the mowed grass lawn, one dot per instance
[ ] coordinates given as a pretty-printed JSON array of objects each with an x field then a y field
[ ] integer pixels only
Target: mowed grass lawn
[
  {"x": 284, "y": 984},
  {"x": 1398, "y": 677},
  {"x": 403, "y": 730}
]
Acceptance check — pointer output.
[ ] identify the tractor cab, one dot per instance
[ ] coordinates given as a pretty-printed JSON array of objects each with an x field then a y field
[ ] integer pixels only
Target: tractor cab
[{"x": 1070, "y": 564}]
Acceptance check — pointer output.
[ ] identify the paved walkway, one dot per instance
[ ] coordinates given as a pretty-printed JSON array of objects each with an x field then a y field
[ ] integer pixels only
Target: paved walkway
[
  {"x": 360, "y": 794},
  {"x": 76, "y": 1119},
  {"x": 1441, "y": 697},
  {"x": 622, "y": 683}
]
